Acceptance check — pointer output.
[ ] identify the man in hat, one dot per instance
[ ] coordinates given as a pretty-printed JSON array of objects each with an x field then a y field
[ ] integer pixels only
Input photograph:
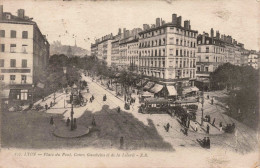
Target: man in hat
[
  {"x": 208, "y": 143},
  {"x": 68, "y": 122},
  {"x": 208, "y": 129}
]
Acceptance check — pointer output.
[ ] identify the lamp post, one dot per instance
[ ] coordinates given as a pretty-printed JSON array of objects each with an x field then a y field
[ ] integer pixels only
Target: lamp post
[
  {"x": 65, "y": 72},
  {"x": 202, "y": 103},
  {"x": 74, "y": 87},
  {"x": 32, "y": 92}
]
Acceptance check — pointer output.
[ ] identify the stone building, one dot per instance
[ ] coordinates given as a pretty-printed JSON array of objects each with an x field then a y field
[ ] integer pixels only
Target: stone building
[{"x": 24, "y": 53}]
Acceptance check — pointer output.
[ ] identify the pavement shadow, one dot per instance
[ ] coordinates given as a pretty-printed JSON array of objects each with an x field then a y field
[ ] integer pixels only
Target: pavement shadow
[{"x": 113, "y": 125}]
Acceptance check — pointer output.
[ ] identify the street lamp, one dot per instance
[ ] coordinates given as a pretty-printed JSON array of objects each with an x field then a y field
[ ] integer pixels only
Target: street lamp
[
  {"x": 202, "y": 103},
  {"x": 33, "y": 92},
  {"x": 74, "y": 87},
  {"x": 65, "y": 72}
]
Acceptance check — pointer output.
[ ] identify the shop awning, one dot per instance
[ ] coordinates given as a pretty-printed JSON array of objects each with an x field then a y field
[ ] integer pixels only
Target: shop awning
[
  {"x": 172, "y": 91},
  {"x": 186, "y": 90},
  {"x": 157, "y": 88},
  {"x": 147, "y": 94},
  {"x": 148, "y": 85},
  {"x": 194, "y": 89}
]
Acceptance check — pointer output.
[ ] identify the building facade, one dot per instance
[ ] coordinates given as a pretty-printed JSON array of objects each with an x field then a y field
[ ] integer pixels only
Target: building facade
[
  {"x": 24, "y": 53},
  {"x": 132, "y": 54},
  {"x": 213, "y": 51},
  {"x": 167, "y": 52},
  {"x": 253, "y": 59}
]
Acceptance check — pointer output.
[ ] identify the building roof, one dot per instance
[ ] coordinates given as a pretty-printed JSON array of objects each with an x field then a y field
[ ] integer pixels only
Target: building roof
[
  {"x": 19, "y": 20},
  {"x": 16, "y": 19},
  {"x": 166, "y": 25}
]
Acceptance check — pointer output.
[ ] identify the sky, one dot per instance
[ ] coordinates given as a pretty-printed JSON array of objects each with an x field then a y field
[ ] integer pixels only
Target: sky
[{"x": 86, "y": 20}]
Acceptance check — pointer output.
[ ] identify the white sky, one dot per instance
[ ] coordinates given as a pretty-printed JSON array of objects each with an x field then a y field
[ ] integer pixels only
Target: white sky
[{"x": 90, "y": 19}]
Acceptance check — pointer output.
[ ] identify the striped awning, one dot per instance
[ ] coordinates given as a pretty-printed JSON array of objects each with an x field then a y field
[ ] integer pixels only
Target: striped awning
[
  {"x": 157, "y": 88},
  {"x": 186, "y": 90},
  {"x": 148, "y": 85}
]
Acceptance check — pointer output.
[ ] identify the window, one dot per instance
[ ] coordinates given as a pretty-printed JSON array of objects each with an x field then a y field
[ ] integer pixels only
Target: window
[
  {"x": 177, "y": 52},
  {"x": 2, "y": 48},
  {"x": 13, "y": 63},
  {"x": 199, "y": 42},
  {"x": 24, "y": 94},
  {"x": 207, "y": 57},
  {"x": 12, "y": 77},
  {"x": 180, "y": 52},
  {"x": 2, "y": 77},
  {"x": 24, "y": 48},
  {"x": 207, "y": 42},
  {"x": 207, "y": 49},
  {"x": 177, "y": 41},
  {"x": 207, "y": 69},
  {"x": 171, "y": 40},
  {"x": 13, "y": 34},
  {"x": 2, "y": 33},
  {"x": 24, "y": 63},
  {"x": 2, "y": 62},
  {"x": 25, "y": 34},
  {"x": 24, "y": 77},
  {"x": 12, "y": 48}
]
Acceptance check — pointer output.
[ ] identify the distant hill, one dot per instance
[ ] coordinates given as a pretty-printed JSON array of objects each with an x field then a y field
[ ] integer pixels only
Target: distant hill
[{"x": 57, "y": 48}]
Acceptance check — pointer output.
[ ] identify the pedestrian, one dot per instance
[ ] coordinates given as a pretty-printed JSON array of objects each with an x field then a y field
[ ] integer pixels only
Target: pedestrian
[
  {"x": 90, "y": 100},
  {"x": 118, "y": 109},
  {"x": 121, "y": 142},
  {"x": 93, "y": 122},
  {"x": 213, "y": 122},
  {"x": 51, "y": 104},
  {"x": 186, "y": 131},
  {"x": 220, "y": 124},
  {"x": 208, "y": 143},
  {"x": 220, "y": 128},
  {"x": 46, "y": 106},
  {"x": 196, "y": 127},
  {"x": 209, "y": 118},
  {"x": 42, "y": 98},
  {"x": 75, "y": 123},
  {"x": 188, "y": 123},
  {"x": 204, "y": 142},
  {"x": 68, "y": 122},
  {"x": 207, "y": 128},
  {"x": 51, "y": 121}
]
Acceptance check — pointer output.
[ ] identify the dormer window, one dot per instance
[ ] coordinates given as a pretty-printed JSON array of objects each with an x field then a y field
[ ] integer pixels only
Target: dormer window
[{"x": 8, "y": 16}]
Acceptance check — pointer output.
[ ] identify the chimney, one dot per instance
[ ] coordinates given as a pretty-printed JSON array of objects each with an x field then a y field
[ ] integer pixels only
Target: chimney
[
  {"x": 217, "y": 34},
  {"x": 179, "y": 21},
  {"x": 174, "y": 19},
  {"x": 1, "y": 12},
  {"x": 186, "y": 24},
  {"x": 211, "y": 33},
  {"x": 189, "y": 27},
  {"x": 124, "y": 31},
  {"x": 158, "y": 22},
  {"x": 203, "y": 38},
  {"x": 20, "y": 13},
  {"x": 119, "y": 31}
]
